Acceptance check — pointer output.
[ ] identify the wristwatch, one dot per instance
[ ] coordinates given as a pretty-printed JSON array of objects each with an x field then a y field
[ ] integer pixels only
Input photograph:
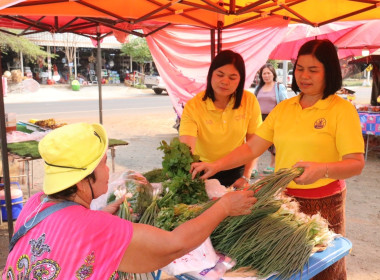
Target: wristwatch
[{"x": 245, "y": 178}]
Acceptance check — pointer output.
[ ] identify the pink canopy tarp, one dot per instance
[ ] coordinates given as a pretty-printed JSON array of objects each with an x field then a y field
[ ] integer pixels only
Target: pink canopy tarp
[{"x": 182, "y": 53}]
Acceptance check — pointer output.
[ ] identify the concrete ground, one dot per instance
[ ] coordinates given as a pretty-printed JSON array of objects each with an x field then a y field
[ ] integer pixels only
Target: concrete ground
[{"x": 144, "y": 134}]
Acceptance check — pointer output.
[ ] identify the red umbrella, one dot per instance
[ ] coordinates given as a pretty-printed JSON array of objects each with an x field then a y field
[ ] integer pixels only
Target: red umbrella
[{"x": 349, "y": 37}]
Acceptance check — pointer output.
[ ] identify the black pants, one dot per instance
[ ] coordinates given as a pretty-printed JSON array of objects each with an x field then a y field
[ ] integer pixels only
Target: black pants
[{"x": 228, "y": 177}]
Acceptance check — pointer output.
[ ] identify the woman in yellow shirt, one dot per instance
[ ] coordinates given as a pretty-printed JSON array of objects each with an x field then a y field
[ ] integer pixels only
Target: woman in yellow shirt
[
  {"x": 316, "y": 130},
  {"x": 223, "y": 117}
]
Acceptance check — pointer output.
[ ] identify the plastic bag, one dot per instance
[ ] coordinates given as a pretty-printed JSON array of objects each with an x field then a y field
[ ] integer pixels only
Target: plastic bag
[
  {"x": 128, "y": 181},
  {"x": 116, "y": 181},
  {"x": 214, "y": 189},
  {"x": 199, "y": 259},
  {"x": 216, "y": 272}
]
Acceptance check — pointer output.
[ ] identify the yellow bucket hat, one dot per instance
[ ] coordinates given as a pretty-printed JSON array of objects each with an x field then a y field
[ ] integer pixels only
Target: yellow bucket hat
[{"x": 71, "y": 152}]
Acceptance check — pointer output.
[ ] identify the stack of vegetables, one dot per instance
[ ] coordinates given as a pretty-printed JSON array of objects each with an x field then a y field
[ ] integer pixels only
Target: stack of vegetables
[{"x": 275, "y": 238}]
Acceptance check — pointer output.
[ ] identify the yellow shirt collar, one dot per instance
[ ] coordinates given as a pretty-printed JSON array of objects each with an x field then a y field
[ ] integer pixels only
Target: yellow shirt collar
[
  {"x": 211, "y": 107},
  {"x": 321, "y": 103}
]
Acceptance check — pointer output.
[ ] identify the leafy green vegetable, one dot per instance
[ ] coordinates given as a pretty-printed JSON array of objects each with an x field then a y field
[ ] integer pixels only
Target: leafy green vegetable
[
  {"x": 171, "y": 217},
  {"x": 176, "y": 165},
  {"x": 177, "y": 158},
  {"x": 142, "y": 196},
  {"x": 155, "y": 176}
]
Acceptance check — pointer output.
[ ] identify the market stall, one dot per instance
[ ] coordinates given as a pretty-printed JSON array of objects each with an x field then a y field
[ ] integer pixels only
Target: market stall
[
  {"x": 370, "y": 122},
  {"x": 23, "y": 146},
  {"x": 373, "y": 60},
  {"x": 274, "y": 241},
  {"x": 316, "y": 263}
]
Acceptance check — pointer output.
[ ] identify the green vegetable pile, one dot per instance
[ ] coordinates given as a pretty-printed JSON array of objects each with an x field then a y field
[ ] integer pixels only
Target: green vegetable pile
[
  {"x": 171, "y": 217},
  {"x": 180, "y": 188},
  {"x": 274, "y": 238}
]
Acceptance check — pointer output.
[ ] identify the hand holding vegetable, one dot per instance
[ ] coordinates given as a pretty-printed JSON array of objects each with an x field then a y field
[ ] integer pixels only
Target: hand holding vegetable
[
  {"x": 238, "y": 203},
  {"x": 209, "y": 169},
  {"x": 313, "y": 171},
  {"x": 114, "y": 206},
  {"x": 240, "y": 183}
]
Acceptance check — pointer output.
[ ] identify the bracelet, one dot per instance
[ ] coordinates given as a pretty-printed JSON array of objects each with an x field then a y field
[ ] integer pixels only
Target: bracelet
[
  {"x": 245, "y": 178},
  {"x": 327, "y": 172}
]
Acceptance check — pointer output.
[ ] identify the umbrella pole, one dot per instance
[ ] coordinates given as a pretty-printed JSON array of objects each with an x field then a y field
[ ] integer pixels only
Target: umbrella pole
[
  {"x": 219, "y": 46},
  {"x": 99, "y": 74},
  {"x": 4, "y": 156},
  {"x": 212, "y": 35}
]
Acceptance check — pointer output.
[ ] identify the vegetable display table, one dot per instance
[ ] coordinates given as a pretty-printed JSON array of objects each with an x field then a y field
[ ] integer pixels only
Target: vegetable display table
[
  {"x": 370, "y": 123},
  {"x": 27, "y": 151},
  {"x": 318, "y": 262}
]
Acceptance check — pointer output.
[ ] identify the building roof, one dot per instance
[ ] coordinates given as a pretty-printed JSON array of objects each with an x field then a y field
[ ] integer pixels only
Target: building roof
[{"x": 74, "y": 40}]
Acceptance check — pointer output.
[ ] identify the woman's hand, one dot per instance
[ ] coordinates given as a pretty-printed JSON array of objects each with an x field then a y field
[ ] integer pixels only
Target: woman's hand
[
  {"x": 238, "y": 203},
  {"x": 114, "y": 206},
  {"x": 313, "y": 171},
  {"x": 209, "y": 169},
  {"x": 240, "y": 183}
]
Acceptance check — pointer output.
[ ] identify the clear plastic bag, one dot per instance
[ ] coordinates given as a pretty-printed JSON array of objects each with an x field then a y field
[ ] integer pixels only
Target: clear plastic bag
[
  {"x": 116, "y": 181},
  {"x": 216, "y": 272},
  {"x": 128, "y": 181},
  {"x": 199, "y": 259},
  {"x": 214, "y": 189}
]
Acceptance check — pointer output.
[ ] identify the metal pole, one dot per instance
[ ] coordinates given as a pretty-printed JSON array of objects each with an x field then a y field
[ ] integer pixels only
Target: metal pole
[
  {"x": 75, "y": 64},
  {"x": 219, "y": 46},
  {"x": 49, "y": 62},
  {"x": 22, "y": 64},
  {"x": 4, "y": 156},
  {"x": 285, "y": 72},
  {"x": 99, "y": 74},
  {"x": 212, "y": 35}
]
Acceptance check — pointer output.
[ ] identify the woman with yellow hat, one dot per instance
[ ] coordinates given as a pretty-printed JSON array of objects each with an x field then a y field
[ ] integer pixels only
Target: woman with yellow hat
[{"x": 58, "y": 236}]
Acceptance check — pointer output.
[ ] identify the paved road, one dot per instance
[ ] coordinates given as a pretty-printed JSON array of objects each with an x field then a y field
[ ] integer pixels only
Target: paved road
[{"x": 63, "y": 103}]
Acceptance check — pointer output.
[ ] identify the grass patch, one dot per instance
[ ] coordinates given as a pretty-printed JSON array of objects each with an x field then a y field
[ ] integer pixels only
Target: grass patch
[
  {"x": 140, "y": 86},
  {"x": 353, "y": 83}
]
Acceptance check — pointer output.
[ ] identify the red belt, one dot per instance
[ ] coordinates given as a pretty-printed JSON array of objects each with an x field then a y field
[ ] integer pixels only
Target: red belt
[{"x": 324, "y": 191}]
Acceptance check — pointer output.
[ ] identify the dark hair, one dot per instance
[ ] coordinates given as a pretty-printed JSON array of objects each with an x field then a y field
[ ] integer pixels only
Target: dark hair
[
  {"x": 261, "y": 80},
  {"x": 69, "y": 192},
  {"x": 326, "y": 53},
  {"x": 223, "y": 58}
]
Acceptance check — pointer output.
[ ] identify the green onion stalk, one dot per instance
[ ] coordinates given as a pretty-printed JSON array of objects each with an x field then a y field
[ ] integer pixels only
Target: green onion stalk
[
  {"x": 275, "y": 237},
  {"x": 124, "y": 212}
]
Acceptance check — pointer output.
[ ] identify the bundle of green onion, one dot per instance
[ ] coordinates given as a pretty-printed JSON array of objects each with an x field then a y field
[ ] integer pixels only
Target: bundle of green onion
[
  {"x": 275, "y": 237},
  {"x": 124, "y": 212}
]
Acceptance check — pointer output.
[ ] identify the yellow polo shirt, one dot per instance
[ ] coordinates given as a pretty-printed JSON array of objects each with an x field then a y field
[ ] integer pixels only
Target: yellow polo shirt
[
  {"x": 324, "y": 132},
  {"x": 219, "y": 131}
]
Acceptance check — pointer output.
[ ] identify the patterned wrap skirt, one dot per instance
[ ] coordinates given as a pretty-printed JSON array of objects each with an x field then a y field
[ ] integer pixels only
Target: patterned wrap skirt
[{"x": 332, "y": 208}]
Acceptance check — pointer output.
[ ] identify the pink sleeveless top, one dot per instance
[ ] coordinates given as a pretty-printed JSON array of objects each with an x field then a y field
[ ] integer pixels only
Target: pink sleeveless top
[{"x": 73, "y": 243}]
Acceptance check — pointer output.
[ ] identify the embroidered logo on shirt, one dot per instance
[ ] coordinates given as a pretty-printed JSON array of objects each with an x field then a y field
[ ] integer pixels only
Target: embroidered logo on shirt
[{"x": 320, "y": 123}]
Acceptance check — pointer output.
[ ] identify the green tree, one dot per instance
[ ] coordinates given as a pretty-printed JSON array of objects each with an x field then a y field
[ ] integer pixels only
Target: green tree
[
  {"x": 21, "y": 44},
  {"x": 138, "y": 50}
]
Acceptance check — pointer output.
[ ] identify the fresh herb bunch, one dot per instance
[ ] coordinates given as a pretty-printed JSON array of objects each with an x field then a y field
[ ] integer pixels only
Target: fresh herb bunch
[
  {"x": 155, "y": 176},
  {"x": 177, "y": 158},
  {"x": 142, "y": 196},
  {"x": 171, "y": 217},
  {"x": 181, "y": 188}
]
